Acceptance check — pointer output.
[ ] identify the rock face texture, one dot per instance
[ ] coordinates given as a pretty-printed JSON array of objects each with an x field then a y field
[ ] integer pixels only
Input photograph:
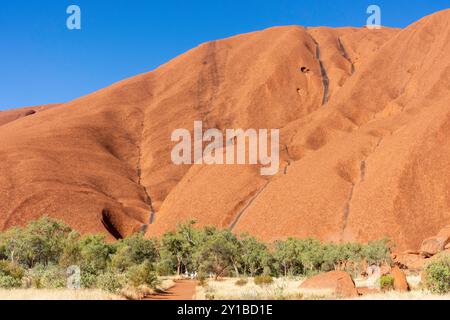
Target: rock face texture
[
  {"x": 400, "y": 282},
  {"x": 338, "y": 282},
  {"x": 364, "y": 117},
  {"x": 433, "y": 245}
]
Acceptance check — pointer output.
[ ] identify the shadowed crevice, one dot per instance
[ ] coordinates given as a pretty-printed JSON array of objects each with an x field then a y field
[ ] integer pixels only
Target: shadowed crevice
[{"x": 109, "y": 226}]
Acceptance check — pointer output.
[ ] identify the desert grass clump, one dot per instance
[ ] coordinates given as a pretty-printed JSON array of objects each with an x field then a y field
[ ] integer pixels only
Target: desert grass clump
[
  {"x": 241, "y": 282},
  {"x": 263, "y": 280}
]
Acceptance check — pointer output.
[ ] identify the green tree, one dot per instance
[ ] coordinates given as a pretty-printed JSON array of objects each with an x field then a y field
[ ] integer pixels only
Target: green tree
[
  {"x": 254, "y": 256},
  {"x": 287, "y": 256},
  {"x": 134, "y": 250},
  {"x": 71, "y": 254},
  {"x": 377, "y": 252},
  {"x": 180, "y": 246},
  {"x": 218, "y": 252},
  {"x": 142, "y": 275},
  {"x": 15, "y": 246},
  {"x": 41, "y": 242},
  {"x": 95, "y": 252},
  {"x": 310, "y": 253}
]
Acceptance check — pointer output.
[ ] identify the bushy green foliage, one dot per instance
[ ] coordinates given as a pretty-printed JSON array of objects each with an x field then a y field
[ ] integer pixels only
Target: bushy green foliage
[
  {"x": 437, "y": 275},
  {"x": 111, "y": 282},
  {"x": 309, "y": 256},
  {"x": 8, "y": 282},
  {"x": 11, "y": 275},
  {"x": 218, "y": 252},
  {"x": 46, "y": 277},
  {"x": 47, "y": 247},
  {"x": 71, "y": 254},
  {"x": 142, "y": 275},
  {"x": 134, "y": 250},
  {"x": 178, "y": 248},
  {"x": 41, "y": 242},
  {"x": 95, "y": 253},
  {"x": 377, "y": 252},
  {"x": 387, "y": 282},
  {"x": 254, "y": 256}
]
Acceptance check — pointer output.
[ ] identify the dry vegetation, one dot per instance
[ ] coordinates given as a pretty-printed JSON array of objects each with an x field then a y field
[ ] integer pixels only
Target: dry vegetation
[
  {"x": 56, "y": 294},
  {"x": 84, "y": 294},
  {"x": 412, "y": 295},
  {"x": 280, "y": 289},
  {"x": 288, "y": 289}
]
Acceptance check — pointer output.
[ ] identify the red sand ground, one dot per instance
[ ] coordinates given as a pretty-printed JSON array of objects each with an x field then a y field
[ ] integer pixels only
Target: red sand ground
[
  {"x": 368, "y": 153},
  {"x": 182, "y": 290}
]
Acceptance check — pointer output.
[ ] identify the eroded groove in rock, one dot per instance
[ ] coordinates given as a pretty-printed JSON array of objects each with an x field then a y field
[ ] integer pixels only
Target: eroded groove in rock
[
  {"x": 208, "y": 82},
  {"x": 346, "y": 212},
  {"x": 363, "y": 168},
  {"x": 148, "y": 199},
  {"x": 345, "y": 54},
  {"x": 287, "y": 167},
  {"x": 323, "y": 72},
  {"x": 247, "y": 205}
]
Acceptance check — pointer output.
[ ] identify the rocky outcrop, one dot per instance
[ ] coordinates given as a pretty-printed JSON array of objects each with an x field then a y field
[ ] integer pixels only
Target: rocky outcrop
[
  {"x": 338, "y": 282},
  {"x": 434, "y": 245},
  {"x": 400, "y": 282}
]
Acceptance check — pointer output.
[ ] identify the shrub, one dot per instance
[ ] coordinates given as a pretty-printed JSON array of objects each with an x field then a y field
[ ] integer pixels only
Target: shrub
[
  {"x": 165, "y": 266},
  {"x": 11, "y": 275},
  {"x": 88, "y": 277},
  {"x": 377, "y": 252},
  {"x": 140, "y": 249},
  {"x": 71, "y": 253},
  {"x": 8, "y": 282},
  {"x": 241, "y": 282},
  {"x": 46, "y": 277},
  {"x": 142, "y": 275},
  {"x": 263, "y": 280},
  {"x": 110, "y": 282},
  {"x": 387, "y": 282},
  {"x": 202, "y": 281},
  {"x": 12, "y": 269},
  {"x": 437, "y": 275},
  {"x": 95, "y": 253}
]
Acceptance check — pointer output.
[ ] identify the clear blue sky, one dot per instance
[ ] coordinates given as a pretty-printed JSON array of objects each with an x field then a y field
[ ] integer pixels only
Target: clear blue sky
[{"x": 41, "y": 61}]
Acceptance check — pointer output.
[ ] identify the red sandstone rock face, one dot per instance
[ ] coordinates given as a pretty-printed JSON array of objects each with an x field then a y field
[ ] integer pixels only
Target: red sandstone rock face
[
  {"x": 365, "y": 154},
  {"x": 16, "y": 114},
  {"x": 434, "y": 245},
  {"x": 412, "y": 262},
  {"x": 400, "y": 282},
  {"x": 340, "y": 283}
]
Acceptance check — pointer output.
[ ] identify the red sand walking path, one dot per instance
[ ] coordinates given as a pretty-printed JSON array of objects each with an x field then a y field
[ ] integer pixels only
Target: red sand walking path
[{"x": 182, "y": 290}]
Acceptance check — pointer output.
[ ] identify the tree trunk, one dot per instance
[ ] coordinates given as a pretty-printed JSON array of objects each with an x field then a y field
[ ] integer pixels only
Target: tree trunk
[
  {"x": 235, "y": 268},
  {"x": 178, "y": 267}
]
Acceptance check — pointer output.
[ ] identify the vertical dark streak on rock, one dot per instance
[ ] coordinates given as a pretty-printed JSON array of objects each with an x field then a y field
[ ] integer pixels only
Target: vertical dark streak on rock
[
  {"x": 345, "y": 54},
  {"x": 323, "y": 71}
]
